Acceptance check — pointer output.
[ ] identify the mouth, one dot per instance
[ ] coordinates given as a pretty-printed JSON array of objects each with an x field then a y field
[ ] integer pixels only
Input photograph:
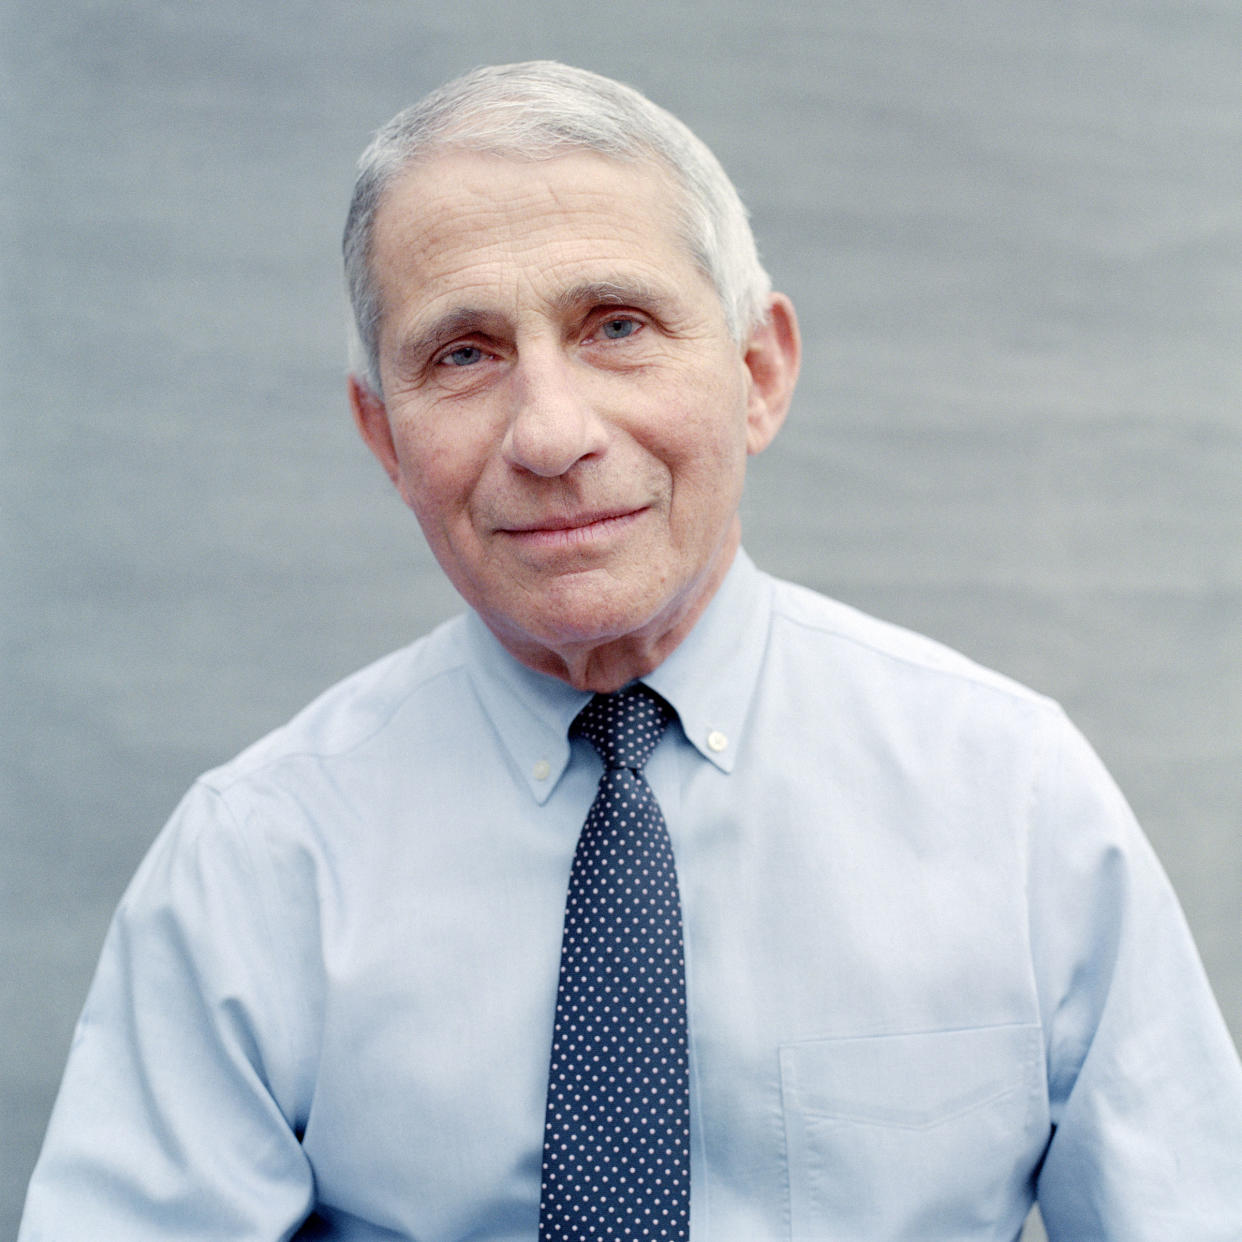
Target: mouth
[{"x": 571, "y": 530}]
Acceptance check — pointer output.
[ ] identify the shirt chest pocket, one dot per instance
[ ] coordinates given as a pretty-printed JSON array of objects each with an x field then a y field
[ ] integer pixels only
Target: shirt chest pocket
[{"x": 923, "y": 1136}]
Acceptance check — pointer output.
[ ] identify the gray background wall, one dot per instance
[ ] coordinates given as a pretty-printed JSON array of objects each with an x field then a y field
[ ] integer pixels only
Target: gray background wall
[{"x": 1013, "y": 231}]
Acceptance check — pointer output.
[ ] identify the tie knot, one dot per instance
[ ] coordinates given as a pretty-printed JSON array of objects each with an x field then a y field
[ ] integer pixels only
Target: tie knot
[{"x": 624, "y": 726}]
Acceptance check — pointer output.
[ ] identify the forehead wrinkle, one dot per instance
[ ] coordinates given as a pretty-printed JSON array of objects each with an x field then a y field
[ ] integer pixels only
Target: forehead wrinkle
[{"x": 511, "y": 262}]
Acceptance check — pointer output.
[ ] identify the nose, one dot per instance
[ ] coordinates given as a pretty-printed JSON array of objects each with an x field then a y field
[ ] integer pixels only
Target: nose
[{"x": 552, "y": 425}]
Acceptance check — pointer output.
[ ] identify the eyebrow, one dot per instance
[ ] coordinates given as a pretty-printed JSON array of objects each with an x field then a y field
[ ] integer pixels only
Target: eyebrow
[
  {"x": 611, "y": 293},
  {"x": 462, "y": 320},
  {"x": 459, "y": 321}
]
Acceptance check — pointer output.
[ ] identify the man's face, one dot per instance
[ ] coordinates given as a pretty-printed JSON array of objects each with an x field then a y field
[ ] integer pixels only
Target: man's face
[{"x": 564, "y": 409}]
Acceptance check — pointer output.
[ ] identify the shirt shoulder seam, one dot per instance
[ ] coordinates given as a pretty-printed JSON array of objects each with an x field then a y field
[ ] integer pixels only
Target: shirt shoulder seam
[
  {"x": 950, "y": 664},
  {"x": 241, "y": 769}
]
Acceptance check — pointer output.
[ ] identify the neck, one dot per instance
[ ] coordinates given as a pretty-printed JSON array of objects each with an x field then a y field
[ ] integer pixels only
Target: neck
[{"x": 608, "y": 667}]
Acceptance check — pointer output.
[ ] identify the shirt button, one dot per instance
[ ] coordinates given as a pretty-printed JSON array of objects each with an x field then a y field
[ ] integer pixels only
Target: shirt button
[
  {"x": 542, "y": 770},
  {"x": 716, "y": 741}
]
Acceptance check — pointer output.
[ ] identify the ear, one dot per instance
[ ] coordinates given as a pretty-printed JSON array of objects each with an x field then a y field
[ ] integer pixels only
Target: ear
[
  {"x": 772, "y": 356},
  {"x": 371, "y": 419}
]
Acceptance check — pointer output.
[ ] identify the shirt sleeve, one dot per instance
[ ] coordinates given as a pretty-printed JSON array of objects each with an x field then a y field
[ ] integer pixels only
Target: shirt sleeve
[
  {"x": 178, "y": 1115},
  {"x": 1144, "y": 1082}
]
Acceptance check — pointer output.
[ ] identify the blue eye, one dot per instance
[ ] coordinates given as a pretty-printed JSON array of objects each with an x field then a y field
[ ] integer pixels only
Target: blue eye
[
  {"x": 463, "y": 356},
  {"x": 619, "y": 328}
]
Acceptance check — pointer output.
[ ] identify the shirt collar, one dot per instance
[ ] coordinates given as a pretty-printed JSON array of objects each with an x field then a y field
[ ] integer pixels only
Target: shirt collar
[
  {"x": 531, "y": 712},
  {"x": 710, "y": 679}
]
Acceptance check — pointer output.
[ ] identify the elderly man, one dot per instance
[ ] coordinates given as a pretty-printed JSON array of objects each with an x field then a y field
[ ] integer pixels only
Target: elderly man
[{"x": 857, "y": 940}]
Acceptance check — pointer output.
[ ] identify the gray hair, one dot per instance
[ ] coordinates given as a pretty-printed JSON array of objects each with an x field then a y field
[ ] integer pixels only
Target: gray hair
[{"x": 537, "y": 110}]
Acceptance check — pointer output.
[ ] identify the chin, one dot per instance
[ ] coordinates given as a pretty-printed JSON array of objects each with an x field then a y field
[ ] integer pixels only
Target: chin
[
  {"x": 597, "y": 629},
  {"x": 589, "y": 623}
]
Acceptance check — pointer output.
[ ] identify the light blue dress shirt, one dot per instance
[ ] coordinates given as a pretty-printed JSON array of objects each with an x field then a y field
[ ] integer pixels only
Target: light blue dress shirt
[{"x": 933, "y": 967}]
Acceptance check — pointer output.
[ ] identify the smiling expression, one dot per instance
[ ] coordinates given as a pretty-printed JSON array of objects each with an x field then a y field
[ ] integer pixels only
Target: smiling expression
[{"x": 563, "y": 406}]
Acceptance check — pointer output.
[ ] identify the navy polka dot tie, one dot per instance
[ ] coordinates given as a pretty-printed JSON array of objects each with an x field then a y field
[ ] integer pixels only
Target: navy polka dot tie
[{"x": 616, "y": 1157}]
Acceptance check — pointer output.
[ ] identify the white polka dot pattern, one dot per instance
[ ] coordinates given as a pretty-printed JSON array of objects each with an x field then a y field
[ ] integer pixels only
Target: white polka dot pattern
[{"x": 616, "y": 1162}]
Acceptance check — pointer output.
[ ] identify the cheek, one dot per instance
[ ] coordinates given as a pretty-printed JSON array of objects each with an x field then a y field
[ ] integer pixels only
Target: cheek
[
  {"x": 712, "y": 442},
  {"x": 435, "y": 475},
  {"x": 707, "y": 477}
]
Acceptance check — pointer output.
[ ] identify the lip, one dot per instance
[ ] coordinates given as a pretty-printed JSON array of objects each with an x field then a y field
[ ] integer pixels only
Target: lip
[{"x": 571, "y": 530}]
